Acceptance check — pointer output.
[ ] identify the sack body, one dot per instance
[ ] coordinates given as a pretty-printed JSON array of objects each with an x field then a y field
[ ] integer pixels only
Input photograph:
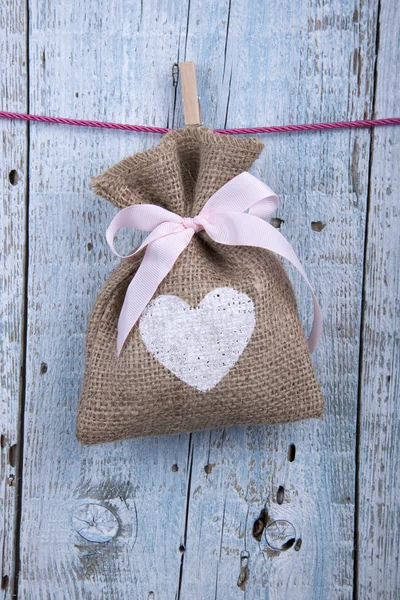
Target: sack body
[{"x": 221, "y": 342}]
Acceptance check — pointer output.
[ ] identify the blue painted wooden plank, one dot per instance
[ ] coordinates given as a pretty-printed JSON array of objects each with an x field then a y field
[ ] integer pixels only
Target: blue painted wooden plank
[
  {"x": 108, "y": 61},
  {"x": 287, "y": 63},
  {"x": 13, "y": 176},
  {"x": 379, "y": 462}
]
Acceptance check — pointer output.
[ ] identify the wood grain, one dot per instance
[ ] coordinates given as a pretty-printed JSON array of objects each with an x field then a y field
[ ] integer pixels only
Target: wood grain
[
  {"x": 88, "y": 61},
  {"x": 254, "y": 513},
  {"x": 379, "y": 464},
  {"x": 13, "y": 177},
  {"x": 286, "y": 65}
]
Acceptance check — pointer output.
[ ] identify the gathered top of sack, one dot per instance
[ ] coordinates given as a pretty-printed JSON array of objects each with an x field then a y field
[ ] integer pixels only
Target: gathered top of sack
[{"x": 181, "y": 173}]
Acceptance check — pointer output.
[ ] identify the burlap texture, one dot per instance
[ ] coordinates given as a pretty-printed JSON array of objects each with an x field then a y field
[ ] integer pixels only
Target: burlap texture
[{"x": 134, "y": 395}]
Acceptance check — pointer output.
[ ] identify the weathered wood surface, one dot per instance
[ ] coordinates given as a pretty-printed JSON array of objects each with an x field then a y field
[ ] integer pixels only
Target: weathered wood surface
[
  {"x": 294, "y": 78},
  {"x": 211, "y": 515},
  {"x": 13, "y": 174},
  {"x": 379, "y": 459}
]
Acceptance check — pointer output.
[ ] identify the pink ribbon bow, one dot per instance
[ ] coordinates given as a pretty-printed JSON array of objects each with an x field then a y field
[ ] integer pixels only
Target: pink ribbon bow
[{"x": 223, "y": 218}]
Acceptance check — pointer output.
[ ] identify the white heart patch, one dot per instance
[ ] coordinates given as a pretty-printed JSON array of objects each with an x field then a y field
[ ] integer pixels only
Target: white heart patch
[{"x": 199, "y": 345}]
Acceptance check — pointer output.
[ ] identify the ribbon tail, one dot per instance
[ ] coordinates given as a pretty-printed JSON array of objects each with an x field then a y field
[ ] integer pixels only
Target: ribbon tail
[
  {"x": 159, "y": 258},
  {"x": 234, "y": 229}
]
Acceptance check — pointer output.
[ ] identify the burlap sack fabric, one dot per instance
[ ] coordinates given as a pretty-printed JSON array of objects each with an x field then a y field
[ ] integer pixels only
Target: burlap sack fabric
[{"x": 134, "y": 394}]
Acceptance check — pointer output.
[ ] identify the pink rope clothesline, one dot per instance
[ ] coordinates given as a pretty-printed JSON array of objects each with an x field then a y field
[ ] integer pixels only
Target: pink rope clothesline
[{"x": 235, "y": 131}]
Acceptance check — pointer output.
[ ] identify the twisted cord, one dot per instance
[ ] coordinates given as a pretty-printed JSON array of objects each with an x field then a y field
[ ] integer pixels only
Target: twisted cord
[{"x": 235, "y": 131}]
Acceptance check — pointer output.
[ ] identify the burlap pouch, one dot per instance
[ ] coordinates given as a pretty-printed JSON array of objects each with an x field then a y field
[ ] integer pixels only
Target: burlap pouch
[{"x": 269, "y": 380}]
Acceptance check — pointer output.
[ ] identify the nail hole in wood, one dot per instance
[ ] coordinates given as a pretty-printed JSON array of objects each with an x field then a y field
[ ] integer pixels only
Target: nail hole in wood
[
  {"x": 43, "y": 368},
  {"x": 297, "y": 545},
  {"x": 291, "y": 453},
  {"x": 175, "y": 468},
  {"x": 90, "y": 246},
  {"x": 287, "y": 545},
  {"x": 280, "y": 494},
  {"x": 317, "y": 225},
  {"x": 275, "y": 222},
  {"x": 12, "y": 455},
  {"x": 208, "y": 468},
  {"x": 260, "y": 524},
  {"x": 13, "y": 177},
  {"x": 4, "y": 582},
  {"x": 182, "y": 548},
  {"x": 258, "y": 529},
  {"x": 175, "y": 74},
  {"x": 244, "y": 570},
  {"x": 76, "y": 95}
]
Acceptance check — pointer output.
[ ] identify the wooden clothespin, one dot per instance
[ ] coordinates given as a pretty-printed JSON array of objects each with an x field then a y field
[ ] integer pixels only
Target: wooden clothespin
[{"x": 190, "y": 95}]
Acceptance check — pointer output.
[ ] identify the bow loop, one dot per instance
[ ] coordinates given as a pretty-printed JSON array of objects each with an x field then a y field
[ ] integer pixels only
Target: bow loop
[{"x": 234, "y": 215}]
